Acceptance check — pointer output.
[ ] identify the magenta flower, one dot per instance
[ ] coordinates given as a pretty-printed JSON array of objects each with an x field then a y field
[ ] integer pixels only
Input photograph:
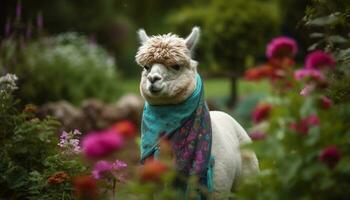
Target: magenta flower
[
  {"x": 318, "y": 60},
  {"x": 282, "y": 47},
  {"x": 312, "y": 74},
  {"x": 99, "y": 144},
  {"x": 304, "y": 124},
  {"x": 257, "y": 135},
  {"x": 330, "y": 156},
  {"x": 261, "y": 112},
  {"x": 101, "y": 169},
  {"x": 312, "y": 120},
  {"x": 104, "y": 169},
  {"x": 300, "y": 127},
  {"x": 326, "y": 102}
]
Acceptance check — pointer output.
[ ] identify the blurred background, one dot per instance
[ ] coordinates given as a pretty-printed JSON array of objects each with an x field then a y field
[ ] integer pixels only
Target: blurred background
[
  {"x": 86, "y": 48},
  {"x": 76, "y": 69}
]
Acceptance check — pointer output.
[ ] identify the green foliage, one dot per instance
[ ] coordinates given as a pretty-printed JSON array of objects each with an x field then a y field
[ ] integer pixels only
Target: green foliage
[
  {"x": 30, "y": 155},
  {"x": 66, "y": 67},
  {"x": 232, "y": 30},
  {"x": 292, "y": 166},
  {"x": 330, "y": 25},
  {"x": 289, "y": 160}
]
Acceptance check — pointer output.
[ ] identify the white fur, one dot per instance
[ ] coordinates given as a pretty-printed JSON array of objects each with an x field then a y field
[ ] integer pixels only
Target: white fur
[
  {"x": 158, "y": 55},
  {"x": 230, "y": 163}
]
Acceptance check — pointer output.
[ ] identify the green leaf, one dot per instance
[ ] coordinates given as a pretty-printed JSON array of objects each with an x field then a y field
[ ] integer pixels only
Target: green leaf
[
  {"x": 325, "y": 20},
  {"x": 313, "y": 46},
  {"x": 316, "y": 35},
  {"x": 337, "y": 39}
]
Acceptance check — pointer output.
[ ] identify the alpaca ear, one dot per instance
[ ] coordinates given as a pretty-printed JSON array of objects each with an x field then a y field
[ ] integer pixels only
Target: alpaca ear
[
  {"x": 142, "y": 36},
  {"x": 192, "y": 39}
]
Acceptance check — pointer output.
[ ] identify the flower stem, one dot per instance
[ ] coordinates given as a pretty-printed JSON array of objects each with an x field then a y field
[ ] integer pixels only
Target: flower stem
[{"x": 113, "y": 188}]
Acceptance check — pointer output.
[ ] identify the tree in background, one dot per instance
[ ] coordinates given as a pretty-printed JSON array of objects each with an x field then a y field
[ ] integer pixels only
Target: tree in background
[
  {"x": 112, "y": 23},
  {"x": 233, "y": 33}
]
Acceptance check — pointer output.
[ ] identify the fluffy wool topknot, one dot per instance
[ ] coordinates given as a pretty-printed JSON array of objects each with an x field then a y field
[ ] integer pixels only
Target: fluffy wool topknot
[{"x": 168, "y": 49}]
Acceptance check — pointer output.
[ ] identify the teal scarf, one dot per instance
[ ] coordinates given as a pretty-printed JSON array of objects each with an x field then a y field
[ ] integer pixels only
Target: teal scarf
[{"x": 187, "y": 125}]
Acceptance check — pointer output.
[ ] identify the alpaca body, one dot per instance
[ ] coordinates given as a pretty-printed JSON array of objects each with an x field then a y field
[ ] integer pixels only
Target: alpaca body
[{"x": 230, "y": 162}]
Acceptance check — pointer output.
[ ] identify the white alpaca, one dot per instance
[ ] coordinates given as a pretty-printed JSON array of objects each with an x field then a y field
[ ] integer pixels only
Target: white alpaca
[{"x": 169, "y": 78}]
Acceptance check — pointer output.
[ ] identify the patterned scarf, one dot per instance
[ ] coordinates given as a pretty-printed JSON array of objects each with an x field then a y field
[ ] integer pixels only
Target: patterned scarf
[{"x": 187, "y": 125}]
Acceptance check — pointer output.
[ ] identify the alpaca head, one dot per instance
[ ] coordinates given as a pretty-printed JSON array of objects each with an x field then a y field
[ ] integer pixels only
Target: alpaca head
[{"x": 168, "y": 75}]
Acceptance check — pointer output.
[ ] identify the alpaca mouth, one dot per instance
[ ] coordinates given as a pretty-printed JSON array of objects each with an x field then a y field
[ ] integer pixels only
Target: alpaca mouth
[{"x": 154, "y": 89}]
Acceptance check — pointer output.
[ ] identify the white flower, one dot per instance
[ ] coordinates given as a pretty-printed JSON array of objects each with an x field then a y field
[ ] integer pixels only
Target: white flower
[{"x": 8, "y": 82}]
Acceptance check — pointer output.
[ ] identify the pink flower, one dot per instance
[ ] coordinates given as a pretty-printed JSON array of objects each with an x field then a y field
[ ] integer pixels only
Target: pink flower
[
  {"x": 307, "y": 90},
  {"x": 313, "y": 74},
  {"x": 300, "y": 127},
  {"x": 104, "y": 169},
  {"x": 257, "y": 135},
  {"x": 69, "y": 143},
  {"x": 118, "y": 164},
  {"x": 282, "y": 47},
  {"x": 330, "y": 156},
  {"x": 312, "y": 120},
  {"x": 319, "y": 59},
  {"x": 261, "y": 112},
  {"x": 101, "y": 169},
  {"x": 304, "y": 124},
  {"x": 326, "y": 102},
  {"x": 99, "y": 144}
]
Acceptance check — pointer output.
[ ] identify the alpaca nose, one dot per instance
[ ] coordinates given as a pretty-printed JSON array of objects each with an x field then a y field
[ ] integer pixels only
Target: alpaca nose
[{"x": 154, "y": 78}]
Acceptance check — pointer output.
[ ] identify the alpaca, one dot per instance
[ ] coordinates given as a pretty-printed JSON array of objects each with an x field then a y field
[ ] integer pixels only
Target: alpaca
[{"x": 168, "y": 78}]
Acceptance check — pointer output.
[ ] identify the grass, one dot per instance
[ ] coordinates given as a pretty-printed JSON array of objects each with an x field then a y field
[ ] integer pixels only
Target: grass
[{"x": 214, "y": 88}]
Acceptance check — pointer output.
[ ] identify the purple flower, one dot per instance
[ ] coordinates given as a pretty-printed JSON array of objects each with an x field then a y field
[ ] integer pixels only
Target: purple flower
[
  {"x": 99, "y": 144},
  {"x": 282, "y": 47},
  {"x": 76, "y": 132},
  {"x": 319, "y": 59},
  {"x": 118, "y": 164},
  {"x": 39, "y": 21},
  {"x": 69, "y": 143},
  {"x": 7, "y": 28},
  {"x": 103, "y": 169},
  {"x": 18, "y": 10},
  {"x": 64, "y": 135},
  {"x": 313, "y": 74}
]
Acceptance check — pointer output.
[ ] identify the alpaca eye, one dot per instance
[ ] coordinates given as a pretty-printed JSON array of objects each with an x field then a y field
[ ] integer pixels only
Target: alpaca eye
[
  {"x": 146, "y": 67},
  {"x": 176, "y": 67}
]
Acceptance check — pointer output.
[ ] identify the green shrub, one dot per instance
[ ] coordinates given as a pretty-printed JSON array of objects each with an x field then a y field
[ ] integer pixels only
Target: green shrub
[
  {"x": 309, "y": 160},
  {"x": 67, "y": 67},
  {"x": 29, "y": 152}
]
